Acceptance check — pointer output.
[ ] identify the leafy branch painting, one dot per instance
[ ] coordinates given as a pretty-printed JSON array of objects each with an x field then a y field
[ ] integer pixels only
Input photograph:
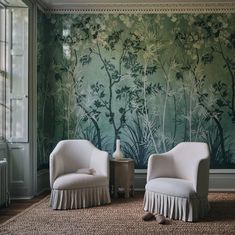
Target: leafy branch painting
[{"x": 152, "y": 80}]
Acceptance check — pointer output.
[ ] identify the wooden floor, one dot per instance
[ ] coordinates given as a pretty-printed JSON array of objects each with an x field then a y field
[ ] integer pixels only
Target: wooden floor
[{"x": 17, "y": 206}]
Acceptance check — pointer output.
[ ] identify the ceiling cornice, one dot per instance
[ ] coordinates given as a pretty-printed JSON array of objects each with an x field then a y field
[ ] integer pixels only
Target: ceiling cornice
[
  {"x": 42, "y": 5},
  {"x": 136, "y": 7}
]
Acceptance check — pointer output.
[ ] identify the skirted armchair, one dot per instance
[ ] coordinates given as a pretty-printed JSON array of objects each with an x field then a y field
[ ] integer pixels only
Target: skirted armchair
[
  {"x": 177, "y": 182},
  {"x": 79, "y": 175}
]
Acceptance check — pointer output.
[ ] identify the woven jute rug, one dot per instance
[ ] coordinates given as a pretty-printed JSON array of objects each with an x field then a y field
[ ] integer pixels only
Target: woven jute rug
[{"x": 122, "y": 216}]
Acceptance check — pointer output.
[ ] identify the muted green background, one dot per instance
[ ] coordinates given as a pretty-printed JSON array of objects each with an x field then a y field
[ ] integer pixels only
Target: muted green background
[{"x": 152, "y": 80}]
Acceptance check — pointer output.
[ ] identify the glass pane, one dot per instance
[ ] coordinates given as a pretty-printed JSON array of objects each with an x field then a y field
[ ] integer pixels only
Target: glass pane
[
  {"x": 2, "y": 71},
  {"x": 17, "y": 75},
  {"x": 17, "y": 118}
]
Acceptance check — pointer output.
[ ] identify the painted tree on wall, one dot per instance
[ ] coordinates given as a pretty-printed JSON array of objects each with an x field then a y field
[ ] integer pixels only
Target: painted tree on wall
[
  {"x": 210, "y": 32},
  {"x": 147, "y": 79}
]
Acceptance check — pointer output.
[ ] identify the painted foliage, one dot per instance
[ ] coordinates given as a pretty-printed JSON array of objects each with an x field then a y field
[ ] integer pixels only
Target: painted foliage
[{"x": 152, "y": 80}]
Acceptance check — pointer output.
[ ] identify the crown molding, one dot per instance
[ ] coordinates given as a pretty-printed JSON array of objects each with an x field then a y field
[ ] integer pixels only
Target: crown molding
[
  {"x": 133, "y": 8},
  {"x": 42, "y": 6}
]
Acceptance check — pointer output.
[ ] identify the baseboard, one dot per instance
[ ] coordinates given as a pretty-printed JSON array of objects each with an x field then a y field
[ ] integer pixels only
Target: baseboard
[
  {"x": 43, "y": 183},
  {"x": 21, "y": 198},
  {"x": 222, "y": 180},
  {"x": 219, "y": 180}
]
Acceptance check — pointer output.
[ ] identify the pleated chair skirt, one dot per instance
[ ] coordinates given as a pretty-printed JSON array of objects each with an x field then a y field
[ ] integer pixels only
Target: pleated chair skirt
[
  {"x": 173, "y": 207},
  {"x": 79, "y": 198}
]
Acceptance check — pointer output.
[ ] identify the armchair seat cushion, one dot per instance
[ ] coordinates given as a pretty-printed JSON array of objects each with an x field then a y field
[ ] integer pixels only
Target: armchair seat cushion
[
  {"x": 78, "y": 181},
  {"x": 172, "y": 187}
]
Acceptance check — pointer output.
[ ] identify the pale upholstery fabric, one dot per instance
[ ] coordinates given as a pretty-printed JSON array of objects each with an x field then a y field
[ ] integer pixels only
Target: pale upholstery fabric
[
  {"x": 89, "y": 171},
  {"x": 77, "y": 181},
  {"x": 182, "y": 188},
  {"x": 177, "y": 182},
  {"x": 71, "y": 189}
]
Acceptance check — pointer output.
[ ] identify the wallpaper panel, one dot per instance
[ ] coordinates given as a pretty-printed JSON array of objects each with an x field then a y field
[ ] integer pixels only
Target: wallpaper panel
[{"x": 152, "y": 80}]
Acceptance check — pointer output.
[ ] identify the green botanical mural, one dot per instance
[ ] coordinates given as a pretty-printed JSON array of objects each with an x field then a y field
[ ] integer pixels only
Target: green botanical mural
[{"x": 152, "y": 80}]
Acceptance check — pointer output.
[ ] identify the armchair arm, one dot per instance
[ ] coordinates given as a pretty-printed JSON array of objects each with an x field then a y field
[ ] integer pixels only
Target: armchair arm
[
  {"x": 202, "y": 183},
  {"x": 56, "y": 165},
  {"x": 100, "y": 162}
]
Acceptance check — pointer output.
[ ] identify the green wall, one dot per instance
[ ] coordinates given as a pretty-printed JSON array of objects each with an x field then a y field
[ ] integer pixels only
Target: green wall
[{"x": 152, "y": 80}]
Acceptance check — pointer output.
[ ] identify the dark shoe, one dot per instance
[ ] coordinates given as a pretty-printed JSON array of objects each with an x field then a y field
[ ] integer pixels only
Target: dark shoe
[{"x": 148, "y": 216}]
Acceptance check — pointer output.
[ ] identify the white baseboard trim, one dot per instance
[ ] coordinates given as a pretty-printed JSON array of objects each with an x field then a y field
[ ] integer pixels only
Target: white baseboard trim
[
  {"x": 219, "y": 180},
  {"x": 222, "y": 190},
  {"x": 43, "y": 183},
  {"x": 222, "y": 181},
  {"x": 21, "y": 198}
]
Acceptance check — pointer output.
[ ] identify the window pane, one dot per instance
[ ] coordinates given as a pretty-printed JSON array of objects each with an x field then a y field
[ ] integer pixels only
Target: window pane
[
  {"x": 17, "y": 75},
  {"x": 2, "y": 72}
]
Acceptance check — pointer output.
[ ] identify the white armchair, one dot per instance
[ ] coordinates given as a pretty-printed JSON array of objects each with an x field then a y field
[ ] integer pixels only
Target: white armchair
[
  {"x": 79, "y": 175},
  {"x": 177, "y": 182}
]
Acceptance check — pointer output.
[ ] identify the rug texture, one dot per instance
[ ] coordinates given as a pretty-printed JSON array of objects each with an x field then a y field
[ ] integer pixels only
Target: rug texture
[{"x": 122, "y": 216}]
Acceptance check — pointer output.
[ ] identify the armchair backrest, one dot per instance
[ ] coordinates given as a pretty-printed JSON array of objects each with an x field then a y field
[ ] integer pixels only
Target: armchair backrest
[{"x": 187, "y": 156}]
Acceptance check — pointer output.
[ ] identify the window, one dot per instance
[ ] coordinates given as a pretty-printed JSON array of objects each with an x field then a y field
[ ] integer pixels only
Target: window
[
  {"x": 2, "y": 72},
  {"x": 14, "y": 73}
]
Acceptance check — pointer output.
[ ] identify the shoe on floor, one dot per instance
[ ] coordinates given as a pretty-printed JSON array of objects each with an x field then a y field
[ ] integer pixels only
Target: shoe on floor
[
  {"x": 148, "y": 216},
  {"x": 161, "y": 219}
]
